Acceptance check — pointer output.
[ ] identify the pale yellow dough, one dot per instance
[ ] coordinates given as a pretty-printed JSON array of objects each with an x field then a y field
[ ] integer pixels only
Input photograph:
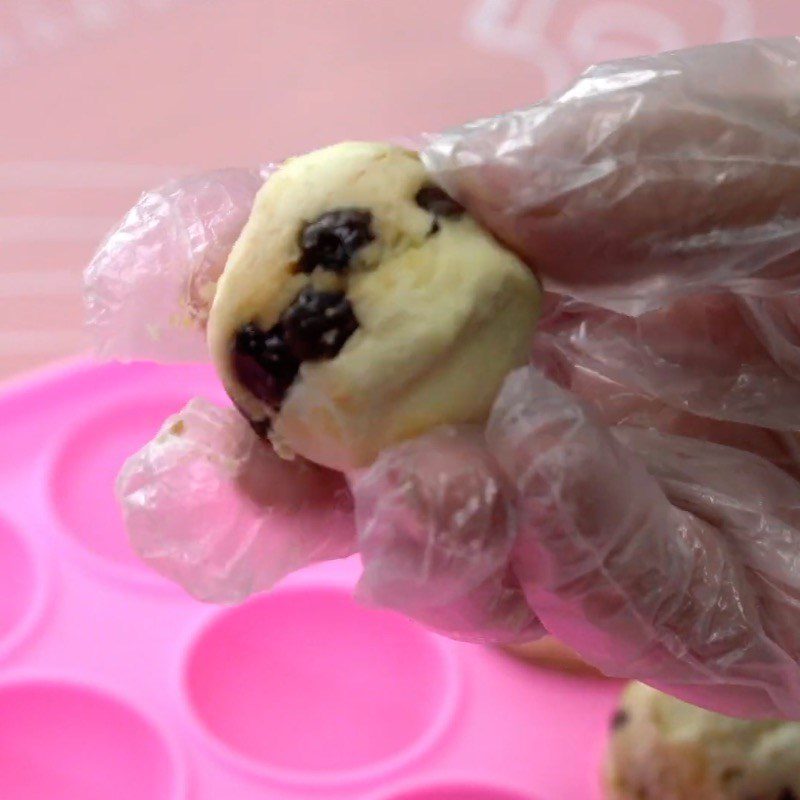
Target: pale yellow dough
[
  {"x": 664, "y": 749},
  {"x": 442, "y": 318}
]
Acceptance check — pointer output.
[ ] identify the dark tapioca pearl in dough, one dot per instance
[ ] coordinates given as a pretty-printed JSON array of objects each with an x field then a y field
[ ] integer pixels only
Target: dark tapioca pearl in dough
[
  {"x": 263, "y": 362},
  {"x": 318, "y": 324},
  {"x": 436, "y": 200},
  {"x": 619, "y": 719},
  {"x": 787, "y": 794},
  {"x": 332, "y": 239}
]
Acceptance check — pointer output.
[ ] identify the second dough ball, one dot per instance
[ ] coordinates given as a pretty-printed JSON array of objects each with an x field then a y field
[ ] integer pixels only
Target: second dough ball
[
  {"x": 362, "y": 305},
  {"x": 665, "y": 749}
]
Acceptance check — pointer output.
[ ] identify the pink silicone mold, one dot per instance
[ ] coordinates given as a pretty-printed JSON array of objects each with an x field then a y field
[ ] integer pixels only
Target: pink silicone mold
[
  {"x": 108, "y": 691},
  {"x": 65, "y": 740},
  {"x": 22, "y": 576},
  {"x": 83, "y": 475},
  {"x": 455, "y": 791},
  {"x": 335, "y": 668}
]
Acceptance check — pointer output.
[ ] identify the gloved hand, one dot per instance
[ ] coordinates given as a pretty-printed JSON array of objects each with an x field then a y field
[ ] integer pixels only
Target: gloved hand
[{"x": 635, "y": 491}]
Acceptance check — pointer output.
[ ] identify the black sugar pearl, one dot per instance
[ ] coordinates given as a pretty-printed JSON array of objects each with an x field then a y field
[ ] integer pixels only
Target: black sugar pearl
[
  {"x": 263, "y": 362},
  {"x": 619, "y": 719},
  {"x": 318, "y": 324},
  {"x": 434, "y": 199},
  {"x": 332, "y": 239}
]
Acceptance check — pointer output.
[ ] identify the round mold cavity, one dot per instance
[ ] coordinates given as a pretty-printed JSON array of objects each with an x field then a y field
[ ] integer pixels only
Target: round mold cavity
[
  {"x": 65, "y": 740},
  {"x": 305, "y": 686},
  {"x": 456, "y": 791},
  {"x": 22, "y": 576},
  {"x": 82, "y": 482}
]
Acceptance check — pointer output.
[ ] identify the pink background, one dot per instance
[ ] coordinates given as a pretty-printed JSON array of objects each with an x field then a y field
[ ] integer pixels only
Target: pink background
[{"x": 102, "y": 98}]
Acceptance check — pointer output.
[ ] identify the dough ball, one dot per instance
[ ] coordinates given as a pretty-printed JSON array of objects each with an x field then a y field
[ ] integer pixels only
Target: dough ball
[
  {"x": 665, "y": 749},
  {"x": 362, "y": 306}
]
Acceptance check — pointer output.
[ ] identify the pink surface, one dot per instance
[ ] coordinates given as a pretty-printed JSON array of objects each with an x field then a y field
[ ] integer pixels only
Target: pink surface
[
  {"x": 63, "y": 740},
  {"x": 455, "y": 792},
  {"x": 319, "y": 663},
  {"x": 113, "y": 683},
  {"x": 16, "y": 578},
  {"x": 101, "y": 98}
]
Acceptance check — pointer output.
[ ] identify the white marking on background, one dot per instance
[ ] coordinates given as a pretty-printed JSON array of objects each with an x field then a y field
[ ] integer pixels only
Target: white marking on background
[
  {"x": 520, "y": 28},
  {"x": 40, "y": 26},
  {"x": 517, "y": 27},
  {"x": 738, "y": 20},
  {"x": 585, "y": 39},
  {"x": 97, "y": 15}
]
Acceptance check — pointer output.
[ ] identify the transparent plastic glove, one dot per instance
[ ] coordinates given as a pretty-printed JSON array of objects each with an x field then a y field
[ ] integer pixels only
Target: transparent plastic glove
[
  {"x": 657, "y": 198},
  {"x": 206, "y": 503},
  {"x": 722, "y": 357},
  {"x": 667, "y": 558},
  {"x": 150, "y": 284},
  {"x": 209, "y": 505},
  {"x": 645, "y": 191},
  {"x": 683, "y": 163},
  {"x": 653, "y": 555},
  {"x": 436, "y": 534},
  {"x": 148, "y": 292}
]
